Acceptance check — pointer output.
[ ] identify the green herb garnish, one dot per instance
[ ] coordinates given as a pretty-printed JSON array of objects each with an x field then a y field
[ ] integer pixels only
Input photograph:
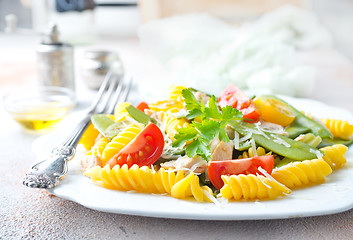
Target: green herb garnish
[{"x": 212, "y": 125}]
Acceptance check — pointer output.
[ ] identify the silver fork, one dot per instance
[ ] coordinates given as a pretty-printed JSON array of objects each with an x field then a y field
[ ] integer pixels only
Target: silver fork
[{"x": 47, "y": 173}]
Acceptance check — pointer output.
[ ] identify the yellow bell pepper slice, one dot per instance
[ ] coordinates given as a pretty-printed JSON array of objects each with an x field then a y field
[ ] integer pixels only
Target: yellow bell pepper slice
[{"x": 89, "y": 137}]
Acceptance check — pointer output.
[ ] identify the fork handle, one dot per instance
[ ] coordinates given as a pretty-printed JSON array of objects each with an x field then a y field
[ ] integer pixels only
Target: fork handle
[
  {"x": 48, "y": 173},
  {"x": 77, "y": 133}
]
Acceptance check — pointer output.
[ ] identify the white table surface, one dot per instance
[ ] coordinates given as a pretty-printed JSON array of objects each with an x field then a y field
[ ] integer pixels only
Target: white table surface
[{"x": 31, "y": 213}]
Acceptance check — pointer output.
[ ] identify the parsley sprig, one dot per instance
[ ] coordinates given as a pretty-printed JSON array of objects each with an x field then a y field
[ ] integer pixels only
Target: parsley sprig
[{"x": 200, "y": 133}]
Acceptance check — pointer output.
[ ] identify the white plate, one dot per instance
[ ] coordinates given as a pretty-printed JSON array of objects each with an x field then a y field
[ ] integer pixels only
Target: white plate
[{"x": 336, "y": 195}]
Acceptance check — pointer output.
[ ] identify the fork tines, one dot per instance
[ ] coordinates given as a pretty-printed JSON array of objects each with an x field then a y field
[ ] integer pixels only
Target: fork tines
[{"x": 114, "y": 88}]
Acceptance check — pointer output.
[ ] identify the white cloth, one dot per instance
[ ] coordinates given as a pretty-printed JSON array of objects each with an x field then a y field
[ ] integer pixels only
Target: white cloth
[{"x": 203, "y": 52}]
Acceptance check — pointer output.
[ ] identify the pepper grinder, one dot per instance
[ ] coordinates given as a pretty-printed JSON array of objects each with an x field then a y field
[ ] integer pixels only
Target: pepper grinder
[{"x": 55, "y": 61}]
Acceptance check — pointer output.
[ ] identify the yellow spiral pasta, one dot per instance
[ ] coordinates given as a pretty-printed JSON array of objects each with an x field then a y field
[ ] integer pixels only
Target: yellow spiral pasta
[
  {"x": 175, "y": 93},
  {"x": 250, "y": 187},
  {"x": 171, "y": 123},
  {"x": 99, "y": 146},
  {"x": 166, "y": 105},
  {"x": 120, "y": 112},
  {"x": 119, "y": 142},
  {"x": 250, "y": 153},
  {"x": 339, "y": 128},
  {"x": 334, "y": 155},
  {"x": 146, "y": 180},
  {"x": 298, "y": 174}
]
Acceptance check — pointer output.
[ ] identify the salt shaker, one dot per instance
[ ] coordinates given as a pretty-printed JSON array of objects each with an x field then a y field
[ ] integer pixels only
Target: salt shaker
[
  {"x": 96, "y": 64},
  {"x": 55, "y": 61}
]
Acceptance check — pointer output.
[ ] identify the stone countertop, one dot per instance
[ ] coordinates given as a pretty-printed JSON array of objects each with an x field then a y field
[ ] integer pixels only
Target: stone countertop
[{"x": 35, "y": 214}]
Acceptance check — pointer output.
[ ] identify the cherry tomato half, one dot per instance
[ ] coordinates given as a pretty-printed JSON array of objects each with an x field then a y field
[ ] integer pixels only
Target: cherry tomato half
[
  {"x": 234, "y": 97},
  {"x": 238, "y": 166},
  {"x": 142, "y": 106},
  {"x": 143, "y": 150}
]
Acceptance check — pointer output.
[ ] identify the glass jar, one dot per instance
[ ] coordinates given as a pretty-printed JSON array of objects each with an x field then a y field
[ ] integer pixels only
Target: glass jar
[{"x": 96, "y": 64}]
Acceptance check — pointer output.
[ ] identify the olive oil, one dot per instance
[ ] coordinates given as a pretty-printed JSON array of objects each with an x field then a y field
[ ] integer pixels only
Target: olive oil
[
  {"x": 41, "y": 119},
  {"x": 35, "y": 124},
  {"x": 39, "y": 109}
]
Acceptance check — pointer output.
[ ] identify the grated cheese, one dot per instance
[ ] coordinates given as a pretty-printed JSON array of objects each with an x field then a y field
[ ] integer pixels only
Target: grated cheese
[
  {"x": 272, "y": 127},
  {"x": 263, "y": 182},
  {"x": 211, "y": 197},
  {"x": 253, "y": 145},
  {"x": 258, "y": 131},
  {"x": 317, "y": 153},
  {"x": 264, "y": 172},
  {"x": 246, "y": 137},
  {"x": 261, "y": 132},
  {"x": 280, "y": 141},
  {"x": 236, "y": 140},
  {"x": 152, "y": 168}
]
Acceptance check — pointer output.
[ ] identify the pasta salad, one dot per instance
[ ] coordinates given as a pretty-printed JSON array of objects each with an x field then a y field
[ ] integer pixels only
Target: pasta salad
[{"x": 196, "y": 145}]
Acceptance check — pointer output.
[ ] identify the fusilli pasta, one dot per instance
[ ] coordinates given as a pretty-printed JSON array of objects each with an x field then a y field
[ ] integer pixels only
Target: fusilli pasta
[
  {"x": 165, "y": 105},
  {"x": 251, "y": 187},
  {"x": 147, "y": 180},
  {"x": 174, "y": 93},
  {"x": 298, "y": 174},
  {"x": 339, "y": 128},
  {"x": 334, "y": 155},
  {"x": 99, "y": 146},
  {"x": 171, "y": 123},
  {"x": 120, "y": 141},
  {"x": 120, "y": 112}
]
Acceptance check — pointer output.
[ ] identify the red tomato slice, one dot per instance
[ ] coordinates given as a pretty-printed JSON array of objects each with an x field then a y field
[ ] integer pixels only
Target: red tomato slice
[
  {"x": 234, "y": 97},
  {"x": 143, "y": 150},
  {"x": 142, "y": 106},
  {"x": 251, "y": 113},
  {"x": 238, "y": 166}
]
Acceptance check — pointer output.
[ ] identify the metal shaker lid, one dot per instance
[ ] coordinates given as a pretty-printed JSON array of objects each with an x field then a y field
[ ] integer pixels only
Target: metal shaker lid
[
  {"x": 101, "y": 55},
  {"x": 51, "y": 36}
]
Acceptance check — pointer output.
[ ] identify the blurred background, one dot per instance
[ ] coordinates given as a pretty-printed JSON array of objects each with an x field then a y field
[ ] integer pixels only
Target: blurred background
[
  {"x": 90, "y": 18},
  {"x": 260, "y": 46}
]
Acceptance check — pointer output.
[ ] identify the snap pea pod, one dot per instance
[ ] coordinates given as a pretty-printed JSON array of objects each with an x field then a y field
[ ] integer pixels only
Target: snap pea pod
[
  {"x": 285, "y": 161},
  {"x": 304, "y": 121},
  {"x": 308, "y": 138},
  {"x": 106, "y": 126},
  {"x": 176, "y": 152},
  {"x": 330, "y": 142},
  {"x": 138, "y": 115},
  {"x": 274, "y": 142},
  {"x": 294, "y": 131}
]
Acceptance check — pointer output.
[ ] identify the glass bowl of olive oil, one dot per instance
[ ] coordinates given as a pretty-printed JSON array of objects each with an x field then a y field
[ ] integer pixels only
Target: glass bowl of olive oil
[{"x": 40, "y": 109}]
